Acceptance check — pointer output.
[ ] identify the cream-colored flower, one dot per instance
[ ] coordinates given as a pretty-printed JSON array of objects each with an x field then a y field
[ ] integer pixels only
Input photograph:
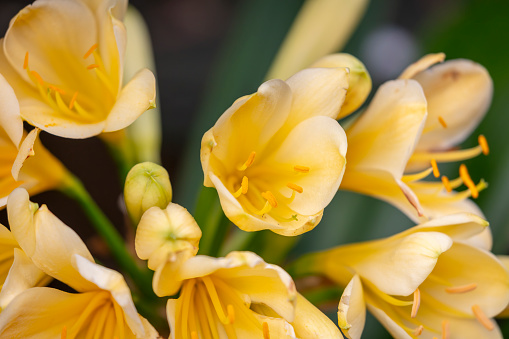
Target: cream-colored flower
[
  {"x": 277, "y": 157},
  {"x": 241, "y": 296},
  {"x": 424, "y": 282},
  {"x": 102, "y": 307},
  {"x": 64, "y": 59}
]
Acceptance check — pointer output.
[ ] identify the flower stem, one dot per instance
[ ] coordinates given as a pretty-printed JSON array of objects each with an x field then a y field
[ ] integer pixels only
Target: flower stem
[
  {"x": 121, "y": 150},
  {"x": 142, "y": 278}
]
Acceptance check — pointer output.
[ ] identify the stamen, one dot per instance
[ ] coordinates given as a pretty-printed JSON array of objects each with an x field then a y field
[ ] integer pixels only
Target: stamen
[
  {"x": 209, "y": 285},
  {"x": 194, "y": 335},
  {"x": 468, "y": 181},
  {"x": 417, "y": 303},
  {"x": 89, "y": 67},
  {"x": 418, "y": 330},
  {"x": 436, "y": 172},
  {"x": 445, "y": 329},
  {"x": 63, "y": 335},
  {"x": 37, "y": 77},
  {"x": 482, "y": 318},
  {"x": 484, "y": 144},
  {"x": 25, "y": 63},
  {"x": 416, "y": 176},
  {"x": 231, "y": 313},
  {"x": 265, "y": 328},
  {"x": 447, "y": 183},
  {"x": 266, "y": 209},
  {"x": 56, "y": 89},
  {"x": 248, "y": 162},
  {"x": 294, "y": 187},
  {"x": 302, "y": 169},
  {"x": 442, "y": 122},
  {"x": 90, "y": 51},
  {"x": 73, "y": 100},
  {"x": 270, "y": 198},
  {"x": 461, "y": 289},
  {"x": 243, "y": 187}
]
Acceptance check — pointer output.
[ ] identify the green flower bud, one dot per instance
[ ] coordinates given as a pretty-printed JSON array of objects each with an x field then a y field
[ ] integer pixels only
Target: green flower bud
[{"x": 147, "y": 185}]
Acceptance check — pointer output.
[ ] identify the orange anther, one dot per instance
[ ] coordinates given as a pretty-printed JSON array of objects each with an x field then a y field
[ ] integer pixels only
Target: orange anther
[
  {"x": 265, "y": 328},
  {"x": 270, "y": 198},
  {"x": 445, "y": 329},
  {"x": 73, "y": 100},
  {"x": 231, "y": 313},
  {"x": 484, "y": 144},
  {"x": 294, "y": 187},
  {"x": 418, "y": 330},
  {"x": 245, "y": 185},
  {"x": 90, "y": 51},
  {"x": 442, "y": 122},
  {"x": 417, "y": 303},
  {"x": 56, "y": 89},
  {"x": 63, "y": 335},
  {"x": 249, "y": 161},
  {"x": 194, "y": 335},
  {"x": 461, "y": 289},
  {"x": 447, "y": 183},
  {"x": 37, "y": 77},
  {"x": 434, "y": 165},
  {"x": 482, "y": 318},
  {"x": 89, "y": 67},
  {"x": 302, "y": 169},
  {"x": 468, "y": 181},
  {"x": 25, "y": 63}
]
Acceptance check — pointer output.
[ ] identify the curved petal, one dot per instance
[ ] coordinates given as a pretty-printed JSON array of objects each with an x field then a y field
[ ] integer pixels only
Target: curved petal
[
  {"x": 26, "y": 150},
  {"x": 310, "y": 322},
  {"x": 134, "y": 99},
  {"x": 394, "y": 329},
  {"x": 421, "y": 65},
  {"x": 352, "y": 309},
  {"x": 47, "y": 240},
  {"x": 10, "y": 118},
  {"x": 384, "y": 137},
  {"x": 459, "y": 91}
]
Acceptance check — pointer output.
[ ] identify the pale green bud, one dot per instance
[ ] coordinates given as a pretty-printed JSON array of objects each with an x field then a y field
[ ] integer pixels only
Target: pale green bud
[{"x": 147, "y": 185}]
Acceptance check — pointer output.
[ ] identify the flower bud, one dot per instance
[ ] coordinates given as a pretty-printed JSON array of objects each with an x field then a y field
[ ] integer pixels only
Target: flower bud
[
  {"x": 359, "y": 81},
  {"x": 147, "y": 185}
]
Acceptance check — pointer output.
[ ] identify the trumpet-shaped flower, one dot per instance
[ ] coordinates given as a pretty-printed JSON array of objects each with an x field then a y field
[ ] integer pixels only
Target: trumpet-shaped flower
[
  {"x": 241, "y": 296},
  {"x": 103, "y": 307},
  {"x": 277, "y": 157},
  {"x": 424, "y": 282},
  {"x": 64, "y": 59}
]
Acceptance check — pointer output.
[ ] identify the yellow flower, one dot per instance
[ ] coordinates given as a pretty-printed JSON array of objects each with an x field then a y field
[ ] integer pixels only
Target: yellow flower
[
  {"x": 240, "y": 296},
  {"x": 424, "y": 282},
  {"x": 102, "y": 307},
  {"x": 64, "y": 59},
  {"x": 277, "y": 157}
]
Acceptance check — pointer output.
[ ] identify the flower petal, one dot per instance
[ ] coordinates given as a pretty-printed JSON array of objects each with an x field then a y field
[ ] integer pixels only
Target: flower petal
[
  {"x": 310, "y": 322},
  {"x": 10, "y": 118},
  {"x": 394, "y": 329},
  {"x": 352, "y": 309}
]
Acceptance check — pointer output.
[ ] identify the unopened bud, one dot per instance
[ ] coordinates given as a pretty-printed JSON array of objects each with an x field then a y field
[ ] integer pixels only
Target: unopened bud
[
  {"x": 359, "y": 81},
  {"x": 147, "y": 185}
]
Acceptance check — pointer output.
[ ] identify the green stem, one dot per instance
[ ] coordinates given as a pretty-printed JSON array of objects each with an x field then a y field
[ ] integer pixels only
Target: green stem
[
  {"x": 142, "y": 278},
  {"x": 213, "y": 223},
  {"x": 121, "y": 150},
  {"x": 239, "y": 241}
]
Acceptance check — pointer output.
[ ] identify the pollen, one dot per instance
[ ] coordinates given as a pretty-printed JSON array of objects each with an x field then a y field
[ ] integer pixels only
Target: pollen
[
  {"x": 73, "y": 100},
  {"x": 416, "y": 304},
  {"x": 249, "y": 161},
  {"x": 434, "y": 165},
  {"x": 484, "y": 144},
  {"x": 90, "y": 51},
  {"x": 25, "y": 63},
  {"x": 302, "y": 169},
  {"x": 37, "y": 77},
  {"x": 445, "y": 329},
  {"x": 265, "y": 328},
  {"x": 442, "y": 122},
  {"x": 295, "y": 187},
  {"x": 482, "y": 318},
  {"x": 461, "y": 289},
  {"x": 89, "y": 67},
  {"x": 270, "y": 198},
  {"x": 447, "y": 183},
  {"x": 231, "y": 313},
  {"x": 468, "y": 181}
]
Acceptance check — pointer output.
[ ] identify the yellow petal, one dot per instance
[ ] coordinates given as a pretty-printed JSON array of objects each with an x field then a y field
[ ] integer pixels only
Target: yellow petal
[
  {"x": 352, "y": 309},
  {"x": 166, "y": 279},
  {"x": 359, "y": 81},
  {"x": 394, "y": 328},
  {"x": 321, "y": 27},
  {"x": 47, "y": 240},
  {"x": 26, "y": 149},
  {"x": 384, "y": 137},
  {"x": 10, "y": 119},
  {"x": 134, "y": 99}
]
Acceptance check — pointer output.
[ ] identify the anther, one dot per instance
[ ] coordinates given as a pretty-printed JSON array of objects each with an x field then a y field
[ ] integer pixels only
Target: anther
[
  {"x": 231, "y": 313},
  {"x": 25, "y": 63},
  {"x": 90, "y": 51},
  {"x": 294, "y": 187},
  {"x": 484, "y": 144},
  {"x": 461, "y": 289},
  {"x": 194, "y": 335},
  {"x": 37, "y": 77},
  {"x": 63, "y": 335},
  {"x": 89, "y": 67},
  {"x": 248, "y": 162},
  {"x": 468, "y": 181},
  {"x": 73, "y": 100},
  {"x": 442, "y": 122},
  {"x": 302, "y": 169},
  {"x": 416, "y": 304},
  {"x": 265, "y": 328},
  {"x": 445, "y": 329},
  {"x": 270, "y": 198},
  {"x": 418, "y": 330},
  {"x": 434, "y": 165},
  {"x": 447, "y": 183},
  {"x": 243, "y": 187},
  {"x": 482, "y": 318},
  {"x": 56, "y": 89}
]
